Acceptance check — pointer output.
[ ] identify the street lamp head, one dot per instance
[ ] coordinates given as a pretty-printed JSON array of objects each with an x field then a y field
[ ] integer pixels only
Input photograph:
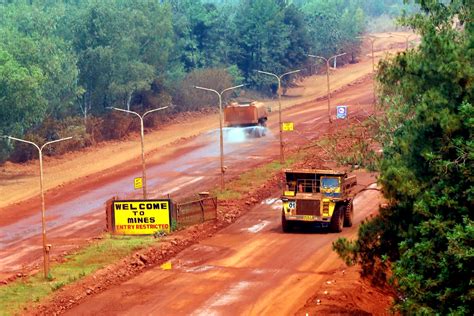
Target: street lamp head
[{"x": 292, "y": 72}]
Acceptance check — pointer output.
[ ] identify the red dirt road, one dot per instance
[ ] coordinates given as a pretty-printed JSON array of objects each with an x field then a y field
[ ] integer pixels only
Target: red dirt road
[
  {"x": 193, "y": 168},
  {"x": 249, "y": 268}
]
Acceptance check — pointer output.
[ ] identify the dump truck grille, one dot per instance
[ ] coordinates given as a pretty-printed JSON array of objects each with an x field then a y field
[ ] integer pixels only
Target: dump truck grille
[{"x": 307, "y": 207}]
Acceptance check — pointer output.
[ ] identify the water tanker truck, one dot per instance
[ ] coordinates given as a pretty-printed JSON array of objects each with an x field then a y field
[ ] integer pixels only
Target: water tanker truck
[{"x": 252, "y": 116}]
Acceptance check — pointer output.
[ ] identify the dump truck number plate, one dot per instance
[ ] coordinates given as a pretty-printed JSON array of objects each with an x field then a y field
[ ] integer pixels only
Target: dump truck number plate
[{"x": 308, "y": 217}]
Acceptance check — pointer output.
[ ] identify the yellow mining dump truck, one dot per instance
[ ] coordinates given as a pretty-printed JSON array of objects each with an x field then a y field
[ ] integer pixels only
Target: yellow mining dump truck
[
  {"x": 251, "y": 115},
  {"x": 321, "y": 197}
]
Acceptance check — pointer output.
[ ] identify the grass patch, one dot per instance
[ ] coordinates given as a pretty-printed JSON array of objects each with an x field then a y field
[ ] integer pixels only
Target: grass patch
[
  {"x": 254, "y": 178},
  {"x": 30, "y": 290}
]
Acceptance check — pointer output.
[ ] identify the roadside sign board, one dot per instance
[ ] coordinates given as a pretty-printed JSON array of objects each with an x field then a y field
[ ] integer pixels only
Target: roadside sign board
[
  {"x": 341, "y": 112},
  {"x": 137, "y": 183},
  {"x": 144, "y": 217},
  {"x": 288, "y": 127}
]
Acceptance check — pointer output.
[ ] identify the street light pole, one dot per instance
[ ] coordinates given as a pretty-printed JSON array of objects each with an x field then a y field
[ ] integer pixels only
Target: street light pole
[
  {"x": 142, "y": 136},
  {"x": 221, "y": 136},
  {"x": 406, "y": 37},
  {"x": 372, "y": 40},
  {"x": 282, "y": 157},
  {"x": 46, "y": 247},
  {"x": 327, "y": 60}
]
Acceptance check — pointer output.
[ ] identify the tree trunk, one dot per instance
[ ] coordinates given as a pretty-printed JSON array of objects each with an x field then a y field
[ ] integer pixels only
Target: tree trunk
[{"x": 129, "y": 99}]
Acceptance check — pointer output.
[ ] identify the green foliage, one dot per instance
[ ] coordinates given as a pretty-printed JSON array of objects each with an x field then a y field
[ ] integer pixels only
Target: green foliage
[
  {"x": 21, "y": 98},
  {"x": 334, "y": 25},
  {"x": 427, "y": 170},
  {"x": 261, "y": 40},
  {"x": 77, "y": 58}
]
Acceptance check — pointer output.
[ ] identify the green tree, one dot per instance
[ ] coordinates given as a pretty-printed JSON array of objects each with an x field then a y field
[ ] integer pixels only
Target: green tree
[
  {"x": 28, "y": 34},
  {"x": 122, "y": 47},
  {"x": 22, "y": 104},
  {"x": 426, "y": 233},
  {"x": 298, "y": 36},
  {"x": 200, "y": 33},
  {"x": 261, "y": 39}
]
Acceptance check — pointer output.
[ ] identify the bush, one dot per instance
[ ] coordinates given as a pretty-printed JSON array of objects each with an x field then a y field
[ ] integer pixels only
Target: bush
[
  {"x": 116, "y": 125},
  {"x": 188, "y": 98},
  {"x": 94, "y": 127},
  {"x": 49, "y": 130}
]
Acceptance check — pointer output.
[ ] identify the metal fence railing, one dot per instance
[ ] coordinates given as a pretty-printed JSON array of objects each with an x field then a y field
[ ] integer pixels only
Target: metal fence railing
[{"x": 197, "y": 211}]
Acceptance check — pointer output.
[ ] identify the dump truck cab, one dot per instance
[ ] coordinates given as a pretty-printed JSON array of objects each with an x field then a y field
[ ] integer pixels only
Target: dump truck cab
[{"x": 321, "y": 197}]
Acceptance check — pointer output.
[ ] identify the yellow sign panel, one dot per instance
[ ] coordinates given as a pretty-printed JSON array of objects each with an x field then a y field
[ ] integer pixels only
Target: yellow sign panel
[
  {"x": 166, "y": 266},
  {"x": 141, "y": 217},
  {"x": 288, "y": 127},
  {"x": 137, "y": 183}
]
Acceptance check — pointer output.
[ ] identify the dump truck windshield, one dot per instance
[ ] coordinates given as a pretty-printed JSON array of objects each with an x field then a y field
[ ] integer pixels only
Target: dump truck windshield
[{"x": 329, "y": 182}]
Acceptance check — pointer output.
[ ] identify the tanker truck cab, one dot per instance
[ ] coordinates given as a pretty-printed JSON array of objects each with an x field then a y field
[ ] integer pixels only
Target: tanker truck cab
[{"x": 319, "y": 197}]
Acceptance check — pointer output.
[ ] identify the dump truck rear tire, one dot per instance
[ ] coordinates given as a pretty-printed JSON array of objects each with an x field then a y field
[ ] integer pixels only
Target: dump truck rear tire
[
  {"x": 337, "y": 220},
  {"x": 349, "y": 215}
]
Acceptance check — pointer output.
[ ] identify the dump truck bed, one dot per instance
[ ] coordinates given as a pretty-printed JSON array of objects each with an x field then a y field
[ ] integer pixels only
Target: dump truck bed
[{"x": 247, "y": 114}]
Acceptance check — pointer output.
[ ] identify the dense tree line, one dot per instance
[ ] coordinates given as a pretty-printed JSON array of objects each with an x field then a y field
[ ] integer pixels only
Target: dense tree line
[
  {"x": 71, "y": 60},
  {"x": 424, "y": 238}
]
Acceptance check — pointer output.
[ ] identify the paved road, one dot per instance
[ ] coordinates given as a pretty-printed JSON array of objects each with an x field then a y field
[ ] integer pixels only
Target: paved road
[{"x": 249, "y": 268}]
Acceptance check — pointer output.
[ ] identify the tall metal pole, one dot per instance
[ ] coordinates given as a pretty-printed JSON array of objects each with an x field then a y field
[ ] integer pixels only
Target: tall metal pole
[
  {"x": 43, "y": 219},
  {"x": 372, "y": 40},
  {"x": 221, "y": 141},
  {"x": 46, "y": 247},
  {"x": 327, "y": 60},
  {"x": 142, "y": 140},
  {"x": 142, "y": 136},
  {"x": 280, "y": 123},
  {"x": 221, "y": 134},
  {"x": 329, "y": 91},
  {"x": 406, "y": 37}
]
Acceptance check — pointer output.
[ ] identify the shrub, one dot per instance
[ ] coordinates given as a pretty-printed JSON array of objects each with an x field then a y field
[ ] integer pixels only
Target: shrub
[{"x": 188, "y": 98}]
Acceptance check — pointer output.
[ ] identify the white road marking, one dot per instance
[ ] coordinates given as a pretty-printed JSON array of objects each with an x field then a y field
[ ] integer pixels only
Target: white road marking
[
  {"x": 312, "y": 121},
  {"x": 277, "y": 205},
  {"x": 258, "y": 227},
  {"x": 199, "y": 269},
  {"x": 179, "y": 187},
  {"x": 232, "y": 295},
  {"x": 269, "y": 201}
]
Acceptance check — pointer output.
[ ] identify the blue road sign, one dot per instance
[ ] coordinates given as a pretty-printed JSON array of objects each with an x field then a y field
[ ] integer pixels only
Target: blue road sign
[{"x": 341, "y": 112}]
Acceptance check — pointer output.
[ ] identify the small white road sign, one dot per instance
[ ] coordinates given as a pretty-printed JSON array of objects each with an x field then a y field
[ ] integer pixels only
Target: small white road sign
[{"x": 341, "y": 112}]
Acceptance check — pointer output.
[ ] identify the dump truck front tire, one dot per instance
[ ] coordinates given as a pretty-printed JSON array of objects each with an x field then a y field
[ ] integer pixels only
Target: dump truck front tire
[
  {"x": 337, "y": 220},
  {"x": 285, "y": 225}
]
